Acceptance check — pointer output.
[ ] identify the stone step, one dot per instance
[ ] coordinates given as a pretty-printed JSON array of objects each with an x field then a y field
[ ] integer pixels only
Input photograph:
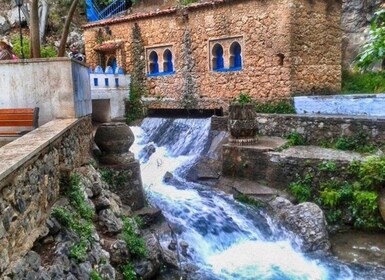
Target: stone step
[
  {"x": 249, "y": 161},
  {"x": 286, "y": 166}
]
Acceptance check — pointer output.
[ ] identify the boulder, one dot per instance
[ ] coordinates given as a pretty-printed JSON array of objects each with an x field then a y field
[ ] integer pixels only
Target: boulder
[
  {"x": 146, "y": 152},
  {"x": 111, "y": 223},
  {"x": 149, "y": 215},
  {"x": 306, "y": 220}
]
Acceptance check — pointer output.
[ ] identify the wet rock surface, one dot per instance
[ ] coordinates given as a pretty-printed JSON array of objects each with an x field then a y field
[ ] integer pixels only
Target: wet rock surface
[{"x": 306, "y": 220}]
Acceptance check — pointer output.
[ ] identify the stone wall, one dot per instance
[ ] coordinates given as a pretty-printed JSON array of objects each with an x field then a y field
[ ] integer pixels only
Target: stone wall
[
  {"x": 320, "y": 128},
  {"x": 276, "y": 61},
  {"x": 315, "y": 47},
  {"x": 316, "y": 129},
  {"x": 30, "y": 170}
]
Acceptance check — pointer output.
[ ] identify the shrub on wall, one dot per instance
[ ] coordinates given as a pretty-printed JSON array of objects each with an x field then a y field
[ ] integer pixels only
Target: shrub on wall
[
  {"x": 366, "y": 82},
  {"x": 352, "y": 201},
  {"x": 275, "y": 107}
]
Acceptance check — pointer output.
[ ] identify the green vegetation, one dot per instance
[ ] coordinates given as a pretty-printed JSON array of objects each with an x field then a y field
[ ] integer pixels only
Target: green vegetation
[
  {"x": 374, "y": 50},
  {"x": 94, "y": 275},
  {"x": 295, "y": 139},
  {"x": 138, "y": 86},
  {"x": 113, "y": 177},
  {"x": 356, "y": 197},
  {"x": 128, "y": 272},
  {"x": 301, "y": 189},
  {"x": 243, "y": 98},
  {"x": 275, "y": 107},
  {"x": 249, "y": 201},
  {"x": 357, "y": 143},
  {"x": 46, "y": 50},
  {"x": 79, "y": 221},
  {"x": 187, "y": 2},
  {"x": 366, "y": 82},
  {"x": 135, "y": 244}
]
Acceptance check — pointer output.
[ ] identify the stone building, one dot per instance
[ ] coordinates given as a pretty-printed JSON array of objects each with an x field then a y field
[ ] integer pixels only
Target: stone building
[{"x": 203, "y": 55}]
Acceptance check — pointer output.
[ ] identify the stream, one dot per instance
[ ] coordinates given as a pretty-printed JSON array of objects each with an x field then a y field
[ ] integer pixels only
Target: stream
[{"x": 227, "y": 240}]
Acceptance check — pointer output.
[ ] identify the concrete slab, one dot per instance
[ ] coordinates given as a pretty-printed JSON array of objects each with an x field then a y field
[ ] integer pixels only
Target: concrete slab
[
  {"x": 265, "y": 143},
  {"x": 315, "y": 152}
]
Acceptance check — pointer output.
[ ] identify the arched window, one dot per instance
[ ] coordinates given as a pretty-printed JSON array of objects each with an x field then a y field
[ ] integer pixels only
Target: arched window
[
  {"x": 217, "y": 61},
  {"x": 153, "y": 66},
  {"x": 235, "y": 56},
  {"x": 168, "y": 66},
  {"x": 111, "y": 61}
]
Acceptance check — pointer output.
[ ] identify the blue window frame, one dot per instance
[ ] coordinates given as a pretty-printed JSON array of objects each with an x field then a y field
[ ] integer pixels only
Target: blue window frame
[
  {"x": 218, "y": 60},
  {"x": 168, "y": 66},
  {"x": 153, "y": 65},
  {"x": 116, "y": 82},
  {"x": 106, "y": 82},
  {"x": 235, "y": 56},
  {"x": 96, "y": 82}
]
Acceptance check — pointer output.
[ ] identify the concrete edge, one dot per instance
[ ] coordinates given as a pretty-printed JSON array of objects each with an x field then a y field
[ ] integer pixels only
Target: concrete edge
[{"x": 20, "y": 151}]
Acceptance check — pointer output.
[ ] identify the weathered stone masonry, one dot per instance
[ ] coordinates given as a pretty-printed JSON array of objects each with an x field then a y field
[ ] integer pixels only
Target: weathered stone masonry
[
  {"x": 30, "y": 177},
  {"x": 283, "y": 49}
]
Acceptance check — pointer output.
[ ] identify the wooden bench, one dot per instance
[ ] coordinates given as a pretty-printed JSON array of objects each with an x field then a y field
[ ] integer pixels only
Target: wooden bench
[{"x": 19, "y": 121}]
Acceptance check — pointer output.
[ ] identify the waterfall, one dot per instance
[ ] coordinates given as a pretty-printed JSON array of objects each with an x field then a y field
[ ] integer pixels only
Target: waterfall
[{"x": 227, "y": 240}]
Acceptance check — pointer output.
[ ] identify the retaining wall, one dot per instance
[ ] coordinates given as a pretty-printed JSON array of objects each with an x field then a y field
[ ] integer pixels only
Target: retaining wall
[
  {"x": 315, "y": 128},
  {"x": 30, "y": 170}
]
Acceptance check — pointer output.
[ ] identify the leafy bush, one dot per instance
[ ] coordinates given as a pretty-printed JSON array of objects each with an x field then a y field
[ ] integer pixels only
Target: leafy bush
[
  {"x": 46, "y": 50},
  {"x": 243, "y": 98},
  {"x": 275, "y": 107},
  {"x": 94, "y": 275},
  {"x": 356, "y": 198},
  {"x": 135, "y": 244},
  {"x": 128, "y": 272},
  {"x": 328, "y": 166},
  {"x": 301, "y": 189},
  {"x": 367, "y": 82},
  {"x": 295, "y": 139}
]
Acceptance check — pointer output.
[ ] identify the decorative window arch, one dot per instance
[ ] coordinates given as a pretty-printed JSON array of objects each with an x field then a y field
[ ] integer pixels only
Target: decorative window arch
[
  {"x": 217, "y": 57},
  {"x": 168, "y": 65},
  {"x": 153, "y": 66},
  {"x": 235, "y": 56}
]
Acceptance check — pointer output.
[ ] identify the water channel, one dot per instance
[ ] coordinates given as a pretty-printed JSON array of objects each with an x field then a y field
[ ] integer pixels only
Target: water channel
[{"x": 227, "y": 240}]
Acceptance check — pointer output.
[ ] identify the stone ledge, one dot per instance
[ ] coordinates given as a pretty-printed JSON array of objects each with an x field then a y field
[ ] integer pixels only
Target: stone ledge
[{"x": 18, "y": 152}]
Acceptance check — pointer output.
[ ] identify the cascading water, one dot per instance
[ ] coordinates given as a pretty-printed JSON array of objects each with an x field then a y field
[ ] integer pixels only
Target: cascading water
[{"x": 227, "y": 240}]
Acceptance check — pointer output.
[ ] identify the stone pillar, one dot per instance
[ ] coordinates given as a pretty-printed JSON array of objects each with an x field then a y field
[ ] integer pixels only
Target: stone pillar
[{"x": 122, "y": 169}]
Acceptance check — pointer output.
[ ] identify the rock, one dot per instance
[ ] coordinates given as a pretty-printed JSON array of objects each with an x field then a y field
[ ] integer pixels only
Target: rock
[
  {"x": 307, "y": 221},
  {"x": 150, "y": 267},
  {"x": 146, "y": 152},
  {"x": 106, "y": 271},
  {"x": 167, "y": 177},
  {"x": 96, "y": 151},
  {"x": 149, "y": 215},
  {"x": 33, "y": 260},
  {"x": 53, "y": 226},
  {"x": 110, "y": 221},
  {"x": 101, "y": 203},
  {"x": 119, "y": 254},
  {"x": 96, "y": 188},
  {"x": 114, "y": 138},
  {"x": 184, "y": 246},
  {"x": 381, "y": 203},
  {"x": 205, "y": 169}
]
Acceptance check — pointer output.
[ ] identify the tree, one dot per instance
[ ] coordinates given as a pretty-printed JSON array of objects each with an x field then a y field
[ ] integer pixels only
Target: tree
[
  {"x": 374, "y": 50},
  {"x": 34, "y": 29},
  {"x": 66, "y": 30}
]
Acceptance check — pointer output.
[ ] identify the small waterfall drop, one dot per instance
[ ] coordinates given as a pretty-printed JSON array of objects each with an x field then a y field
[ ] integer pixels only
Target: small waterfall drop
[{"x": 227, "y": 240}]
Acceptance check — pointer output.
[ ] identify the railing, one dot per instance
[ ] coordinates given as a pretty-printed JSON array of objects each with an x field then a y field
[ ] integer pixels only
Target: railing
[{"x": 94, "y": 12}]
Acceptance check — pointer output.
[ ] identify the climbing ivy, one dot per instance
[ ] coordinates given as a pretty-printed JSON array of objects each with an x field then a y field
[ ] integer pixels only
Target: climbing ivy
[{"x": 138, "y": 87}]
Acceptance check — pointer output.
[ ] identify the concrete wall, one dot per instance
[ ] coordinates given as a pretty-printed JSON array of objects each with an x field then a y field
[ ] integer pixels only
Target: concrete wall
[
  {"x": 355, "y": 104},
  {"x": 111, "y": 94},
  {"x": 58, "y": 86},
  {"x": 30, "y": 169}
]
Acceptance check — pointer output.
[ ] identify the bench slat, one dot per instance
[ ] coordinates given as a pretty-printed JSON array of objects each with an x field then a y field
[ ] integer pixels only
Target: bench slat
[
  {"x": 17, "y": 111},
  {"x": 9, "y": 133},
  {"x": 16, "y": 122},
  {"x": 16, "y": 117}
]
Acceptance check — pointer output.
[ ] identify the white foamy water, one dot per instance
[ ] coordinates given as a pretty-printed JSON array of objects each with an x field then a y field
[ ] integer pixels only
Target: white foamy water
[{"x": 227, "y": 240}]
